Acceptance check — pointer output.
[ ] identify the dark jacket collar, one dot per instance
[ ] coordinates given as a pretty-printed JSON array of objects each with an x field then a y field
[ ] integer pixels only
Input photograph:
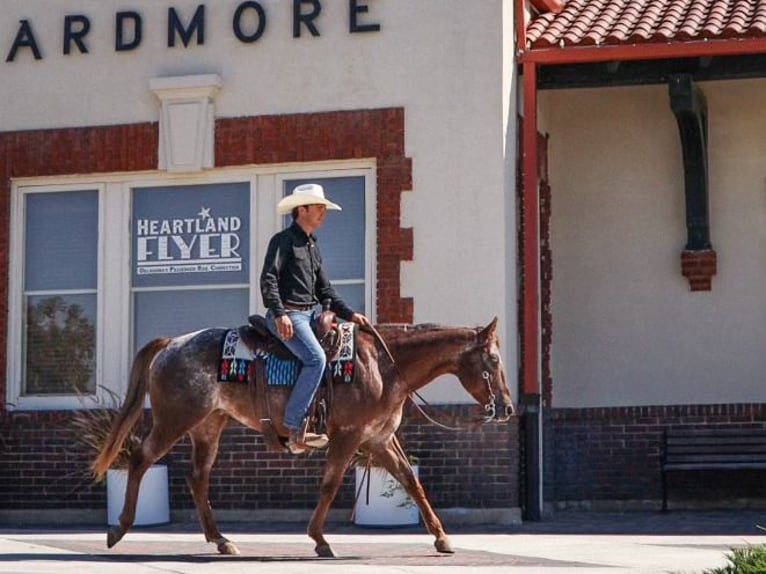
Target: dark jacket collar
[{"x": 298, "y": 232}]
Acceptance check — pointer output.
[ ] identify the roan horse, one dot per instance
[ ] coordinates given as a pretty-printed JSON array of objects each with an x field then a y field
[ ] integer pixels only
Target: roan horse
[{"x": 180, "y": 375}]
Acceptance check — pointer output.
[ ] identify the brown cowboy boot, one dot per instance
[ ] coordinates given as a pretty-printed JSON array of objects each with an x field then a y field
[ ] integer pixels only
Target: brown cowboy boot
[{"x": 300, "y": 440}]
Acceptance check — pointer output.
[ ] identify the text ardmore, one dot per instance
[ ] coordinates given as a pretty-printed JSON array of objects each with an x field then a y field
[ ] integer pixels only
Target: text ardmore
[{"x": 249, "y": 22}]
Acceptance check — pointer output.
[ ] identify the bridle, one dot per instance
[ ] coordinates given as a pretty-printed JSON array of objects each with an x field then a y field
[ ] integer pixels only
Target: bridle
[{"x": 491, "y": 363}]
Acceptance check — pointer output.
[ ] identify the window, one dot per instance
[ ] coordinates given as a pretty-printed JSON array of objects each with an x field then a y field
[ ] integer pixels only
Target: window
[
  {"x": 60, "y": 295},
  {"x": 342, "y": 236},
  {"x": 100, "y": 265},
  {"x": 191, "y": 258}
]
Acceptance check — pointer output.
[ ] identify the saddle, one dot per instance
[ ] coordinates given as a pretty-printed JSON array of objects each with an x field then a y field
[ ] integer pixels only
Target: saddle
[
  {"x": 326, "y": 330},
  {"x": 256, "y": 335}
]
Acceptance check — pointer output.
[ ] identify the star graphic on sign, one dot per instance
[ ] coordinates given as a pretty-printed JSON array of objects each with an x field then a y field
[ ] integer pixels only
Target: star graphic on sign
[{"x": 204, "y": 212}]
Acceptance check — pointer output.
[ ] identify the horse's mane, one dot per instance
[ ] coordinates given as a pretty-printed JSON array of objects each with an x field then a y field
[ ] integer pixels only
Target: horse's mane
[
  {"x": 411, "y": 327},
  {"x": 421, "y": 331}
]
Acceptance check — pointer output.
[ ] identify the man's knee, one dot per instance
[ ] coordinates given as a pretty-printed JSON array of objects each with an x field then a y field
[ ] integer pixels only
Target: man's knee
[{"x": 316, "y": 360}]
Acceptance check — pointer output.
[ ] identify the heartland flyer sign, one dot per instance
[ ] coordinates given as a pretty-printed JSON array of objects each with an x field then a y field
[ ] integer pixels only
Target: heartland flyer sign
[{"x": 191, "y": 235}]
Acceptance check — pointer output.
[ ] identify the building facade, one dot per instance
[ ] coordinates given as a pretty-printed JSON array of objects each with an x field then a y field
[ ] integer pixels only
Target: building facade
[{"x": 143, "y": 149}]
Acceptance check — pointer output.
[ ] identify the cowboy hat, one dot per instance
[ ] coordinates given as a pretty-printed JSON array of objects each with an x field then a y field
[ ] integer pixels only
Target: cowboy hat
[{"x": 306, "y": 194}]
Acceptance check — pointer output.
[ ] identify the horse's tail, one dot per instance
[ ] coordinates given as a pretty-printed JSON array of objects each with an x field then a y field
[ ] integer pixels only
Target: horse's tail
[{"x": 132, "y": 408}]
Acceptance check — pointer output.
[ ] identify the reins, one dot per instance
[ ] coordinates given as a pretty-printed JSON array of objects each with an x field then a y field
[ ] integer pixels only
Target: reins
[
  {"x": 476, "y": 424},
  {"x": 489, "y": 407}
]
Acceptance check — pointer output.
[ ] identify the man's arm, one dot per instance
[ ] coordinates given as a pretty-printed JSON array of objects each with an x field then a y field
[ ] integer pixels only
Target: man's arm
[
  {"x": 325, "y": 290},
  {"x": 272, "y": 266}
]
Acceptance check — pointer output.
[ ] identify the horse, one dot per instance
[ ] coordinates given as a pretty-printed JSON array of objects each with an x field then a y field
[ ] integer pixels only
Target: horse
[{"x": 180, "y": 376}]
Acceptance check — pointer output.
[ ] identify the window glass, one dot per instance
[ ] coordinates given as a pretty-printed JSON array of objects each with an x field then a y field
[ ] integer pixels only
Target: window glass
[
  {"x": 191, "y": 258},
  {"x": 171, "y": 313},
  {"x": 61, "y": 240},
  {"x": 60, "y": 292},
  {"x": 342, "y": 235}
]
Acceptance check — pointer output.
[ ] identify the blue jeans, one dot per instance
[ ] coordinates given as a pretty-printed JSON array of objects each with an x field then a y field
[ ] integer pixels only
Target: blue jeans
[{"x": 308, "y": 351}]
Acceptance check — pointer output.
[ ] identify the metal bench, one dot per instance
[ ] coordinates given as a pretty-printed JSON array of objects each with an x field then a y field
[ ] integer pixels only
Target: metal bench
[{"x": 711, "y": 449}]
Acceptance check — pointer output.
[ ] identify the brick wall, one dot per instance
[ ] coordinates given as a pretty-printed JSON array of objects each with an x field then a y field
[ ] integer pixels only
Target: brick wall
[
  {"x": 40, "y": 468},
  {"x": 612, "y": 455}
]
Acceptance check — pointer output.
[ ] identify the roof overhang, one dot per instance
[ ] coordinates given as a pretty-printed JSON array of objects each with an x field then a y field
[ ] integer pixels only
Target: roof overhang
[{"x": 618, "y": 53}]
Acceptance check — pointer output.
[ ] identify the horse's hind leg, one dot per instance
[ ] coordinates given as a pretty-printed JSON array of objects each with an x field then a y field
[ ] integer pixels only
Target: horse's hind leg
[
  {"x": 393, "y": 459},
  {"x": 154, "y": 446},
  {"x": 205, "y": 440}
]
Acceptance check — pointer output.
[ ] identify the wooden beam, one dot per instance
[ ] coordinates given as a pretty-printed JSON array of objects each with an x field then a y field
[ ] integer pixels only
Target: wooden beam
[
  {"x": 531, "y": 256},
  {"x": 519, "y": 15},
  {"x": 607, "y": 53}
]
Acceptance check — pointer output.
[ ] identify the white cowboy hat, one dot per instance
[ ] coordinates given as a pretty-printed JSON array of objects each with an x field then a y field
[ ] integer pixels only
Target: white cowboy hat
[{"x": 306, "y": 194}]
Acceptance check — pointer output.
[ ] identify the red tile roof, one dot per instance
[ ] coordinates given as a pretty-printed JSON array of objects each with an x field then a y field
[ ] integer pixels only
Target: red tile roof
[{"x": 615, "y": 22}]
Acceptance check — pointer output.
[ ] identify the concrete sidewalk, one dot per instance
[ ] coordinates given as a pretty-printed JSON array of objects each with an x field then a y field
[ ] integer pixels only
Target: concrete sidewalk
[{"x": 629, "y": 543}]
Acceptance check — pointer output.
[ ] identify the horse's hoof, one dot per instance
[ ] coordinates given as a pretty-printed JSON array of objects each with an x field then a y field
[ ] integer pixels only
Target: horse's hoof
[
  {"x": 443, "y": 545},
  {"x": 113, "y": 536},
  {"x": 324, "y": 551},
  {"x": 228, "y": 548}
]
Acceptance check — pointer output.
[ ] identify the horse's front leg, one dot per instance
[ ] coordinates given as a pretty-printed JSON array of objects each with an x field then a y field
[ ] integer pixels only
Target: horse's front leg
[
  {"x": 392, "y": 458},
  {"x": 342, "y": 448}
]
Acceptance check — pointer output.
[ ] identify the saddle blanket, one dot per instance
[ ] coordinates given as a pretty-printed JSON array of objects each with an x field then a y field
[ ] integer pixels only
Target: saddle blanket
[{"x": 237, "y": 364}]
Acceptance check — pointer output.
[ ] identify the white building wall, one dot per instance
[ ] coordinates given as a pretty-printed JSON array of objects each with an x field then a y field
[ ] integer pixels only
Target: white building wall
[
  {"x": 627, "y": 329},
  {"x": 446, "y": 62}
]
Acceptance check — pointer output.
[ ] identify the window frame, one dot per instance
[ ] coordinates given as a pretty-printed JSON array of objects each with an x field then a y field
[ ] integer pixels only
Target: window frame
[
  {"x": 114, "y": 346},
  {"x": 16, "y": 308},
  {"x": 370, "y": 224}
]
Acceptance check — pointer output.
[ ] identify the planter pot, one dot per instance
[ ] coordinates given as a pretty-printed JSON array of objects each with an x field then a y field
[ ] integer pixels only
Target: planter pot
[
  {"x": 153, "y": 506},
  {"x": 387, "y": 505}
]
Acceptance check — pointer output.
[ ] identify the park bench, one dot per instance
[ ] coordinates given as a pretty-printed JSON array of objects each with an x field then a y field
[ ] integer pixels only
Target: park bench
[{"x": 711, "y": 449}]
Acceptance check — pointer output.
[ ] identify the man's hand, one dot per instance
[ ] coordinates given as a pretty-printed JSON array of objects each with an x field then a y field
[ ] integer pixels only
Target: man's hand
[
  {"x": 360, "y": 319},
  {"x": 284, "y": 327}
]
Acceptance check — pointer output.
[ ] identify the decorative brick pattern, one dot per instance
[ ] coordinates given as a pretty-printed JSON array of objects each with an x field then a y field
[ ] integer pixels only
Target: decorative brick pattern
[
  {"x": 613, "y": 454},
  {"x": 699, "y": 267}
]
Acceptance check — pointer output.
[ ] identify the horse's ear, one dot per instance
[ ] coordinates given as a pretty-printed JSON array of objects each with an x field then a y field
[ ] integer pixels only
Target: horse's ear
[{"x": 488, "y": 333}]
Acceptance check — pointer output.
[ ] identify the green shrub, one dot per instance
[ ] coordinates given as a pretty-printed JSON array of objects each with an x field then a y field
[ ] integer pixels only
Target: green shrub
[{"x": 747, "y": 560}]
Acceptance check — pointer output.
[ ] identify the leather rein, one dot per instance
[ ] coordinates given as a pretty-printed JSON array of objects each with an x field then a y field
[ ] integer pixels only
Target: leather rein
[{"x": 490, "y": 361}]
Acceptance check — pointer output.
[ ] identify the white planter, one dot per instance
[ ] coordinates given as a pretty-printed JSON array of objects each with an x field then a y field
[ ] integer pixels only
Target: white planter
[
  {"x": 153, "y": 506},
  {"x": 388, "y": 504}
]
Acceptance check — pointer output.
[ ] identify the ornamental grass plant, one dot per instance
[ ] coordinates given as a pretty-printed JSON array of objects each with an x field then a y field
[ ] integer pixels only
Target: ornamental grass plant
[{"x": 91, "y": 427}]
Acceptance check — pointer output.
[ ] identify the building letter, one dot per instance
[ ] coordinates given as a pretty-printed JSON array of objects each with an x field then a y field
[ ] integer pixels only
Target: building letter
[
  {"x": 24, "y": 39},
  {"x": 76, "y": 36},
  {"x": 306, "y": 19},
  {"x": 354, "y": 25},
  {"x": 197, "y": 25},
  {"x": 120, "y": 45},
  {"x": 260, "y": 14}
]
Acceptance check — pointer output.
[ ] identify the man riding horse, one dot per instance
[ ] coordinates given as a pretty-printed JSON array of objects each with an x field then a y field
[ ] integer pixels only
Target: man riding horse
[{"x": 293, "y": 282}]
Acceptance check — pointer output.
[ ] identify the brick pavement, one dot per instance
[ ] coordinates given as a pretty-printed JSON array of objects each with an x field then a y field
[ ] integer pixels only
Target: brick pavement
[{"x": 568, "y": 542}]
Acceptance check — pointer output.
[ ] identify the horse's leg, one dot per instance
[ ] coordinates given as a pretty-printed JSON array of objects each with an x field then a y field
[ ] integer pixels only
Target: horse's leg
[
  {"x": 342, "y": 448},
  {"x": 205, "y": 439},
  {"x": 155, "y": 445},
  {"x": 399, "y": 467}
]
